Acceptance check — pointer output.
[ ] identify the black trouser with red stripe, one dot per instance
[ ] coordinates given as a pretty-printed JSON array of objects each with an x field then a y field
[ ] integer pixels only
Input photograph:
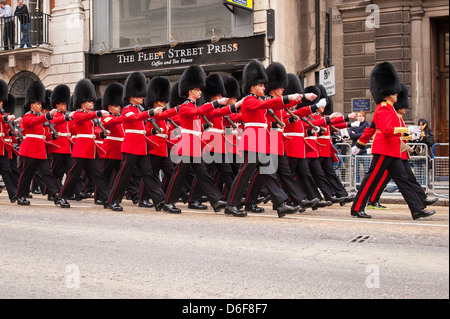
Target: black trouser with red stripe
[
  {"x": 7, "y": 174},
  {"x": 387, "y": 178},
  {"x": 94, "y": 173},
  {"x": 28, "y": 167},
  {"x": 300, "y": 167},
  {"x": 204, "y": 180},
  {"x": 158, "y": 163},
  {"x": 287, "y": 179},
  {"x": 333, "y": 179},
  {"x": 151, "y": 182},
  {"x": 254, "y": 171},
  {"x": 320, "y": 179},
  {"x": 397, "y": 171}
]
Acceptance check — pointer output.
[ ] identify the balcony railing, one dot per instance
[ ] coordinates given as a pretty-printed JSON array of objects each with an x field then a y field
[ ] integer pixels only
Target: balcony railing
[{"x": 24, "y": 31}]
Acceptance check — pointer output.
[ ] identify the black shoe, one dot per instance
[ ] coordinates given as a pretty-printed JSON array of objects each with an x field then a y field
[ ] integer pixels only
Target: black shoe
[
  {"x": 136, "y": 201},
  {"x": 204, "y": 199},
  {"x": 80, "y": 196},
  {"x": 51, "y": 198},
  {"x": 64, "y": 203},
  {"x": 429, "y": 202},
  {"x": 115, "y": 207},
  {"x": 233, "y": 210},
  {"x": 98, "y": 202},
  {"x": 146, "y": 204},
  {"x": 218, "y": 206},
  {"x": 336, "y": 200},
  {"x": 422, "y": 214},
  {"x": 310, "y": 203},
  {"x": 160, "y": 206},
  {"x": 322, "y": 205},
  {"x": 253, "y": 208},
  {"x": 284, "y": 210},
  {"x": 13, "y": 199},
  {"x": 170, "y": 208},
  {"x": 107, "y": 205},
  {"x": 361, "y": 215},
  {"x": 22, "y": 201},
  {"x": 197, "y": 205}
]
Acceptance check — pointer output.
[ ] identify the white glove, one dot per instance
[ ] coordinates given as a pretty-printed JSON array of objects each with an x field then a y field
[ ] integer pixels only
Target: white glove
[
  {"x": 356, "y": 124},
  {"x": 416, "y": 137},
  {"x": 322, "y": 103},
  {"x": 355, "y": 150},
  {"x": 315, "y": 130}
]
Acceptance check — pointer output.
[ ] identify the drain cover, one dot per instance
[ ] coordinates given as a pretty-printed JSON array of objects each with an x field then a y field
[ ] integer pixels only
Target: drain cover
[{"x": 360, "y": 239}]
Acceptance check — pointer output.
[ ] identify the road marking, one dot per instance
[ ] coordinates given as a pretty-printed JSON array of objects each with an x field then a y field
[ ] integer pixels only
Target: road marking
[{"x": 334, "y": 220}]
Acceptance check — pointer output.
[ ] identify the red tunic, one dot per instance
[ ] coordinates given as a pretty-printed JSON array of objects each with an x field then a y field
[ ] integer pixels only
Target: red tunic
[
  {"x": 294, "y": 134},
  {"x": 135, "y": 141},
  {"x": 34, "y": 144},
  {"x": 85, "y": 142},
  {"x": 62, "y": 126},
  {"x": 160, "y": 140}
]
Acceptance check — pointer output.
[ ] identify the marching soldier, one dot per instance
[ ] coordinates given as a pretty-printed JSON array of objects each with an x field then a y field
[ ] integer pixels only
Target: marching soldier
[
  {"x": 112, "y": 102},
  {"x": 387, "y": 146},
  {"x": 7, "y": 106},
  {"x": 158, "y": 93},
  {"x": 61, "y": 158},
  {"x": 374, "y": 201},
  {"x": 135, "y": 145},
  {"x": 255, "y": 141},
  {"x": 33, "y": 150},
  {"x": 85, "y": 150},
  {"x": 190, "y": 86}
]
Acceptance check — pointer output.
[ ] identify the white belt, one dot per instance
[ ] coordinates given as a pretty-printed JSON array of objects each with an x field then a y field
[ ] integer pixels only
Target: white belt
[
  {"x": 65, "y": 134},
  {"x": 326, "y": 137},
  {"x": 136, "y": 132},
  {"x": 92, "y": 136},
  {"x": 216, "y": 130},
  {"x": 112, "y": 138},
  {"x": 2, "y": 134},
  {"x": 8, "y": 140},
  {"x": 311, "y": 138},
  {"x": 41, "y": 137},
  {"x": 99, "y": 142},
  {"x": 294, "y": 134},
  {"x": 195, "y": 133},
  {"x": 263, "y": 125},
  {"x": 162, "y": 135}
]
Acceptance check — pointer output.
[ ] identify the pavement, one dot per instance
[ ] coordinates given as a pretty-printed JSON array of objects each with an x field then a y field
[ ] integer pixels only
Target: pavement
[{"x": 397, "y": 198}]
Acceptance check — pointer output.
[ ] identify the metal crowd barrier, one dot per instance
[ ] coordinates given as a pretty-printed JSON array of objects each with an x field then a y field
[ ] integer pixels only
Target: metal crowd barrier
[
  {"x": 440, "y": 171},
  {"x": 344, "y": 167},
  {"x": 352, "y": 169}
]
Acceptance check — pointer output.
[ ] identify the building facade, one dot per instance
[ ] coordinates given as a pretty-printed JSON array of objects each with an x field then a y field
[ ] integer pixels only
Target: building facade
[{"x": 105, "y": 40}]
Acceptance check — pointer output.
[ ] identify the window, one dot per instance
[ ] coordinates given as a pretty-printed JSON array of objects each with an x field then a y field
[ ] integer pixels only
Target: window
[{"x": 123, "y": 24}]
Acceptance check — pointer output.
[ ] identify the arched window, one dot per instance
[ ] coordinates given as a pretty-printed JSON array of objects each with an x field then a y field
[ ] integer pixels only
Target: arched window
[{"x": 18, "y": 86}]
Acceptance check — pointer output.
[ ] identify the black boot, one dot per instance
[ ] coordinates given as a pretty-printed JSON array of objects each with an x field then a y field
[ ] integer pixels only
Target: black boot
[
  {"x": 284, "y": 210},
  {"x": 218, "y": 206},
  {"x": 253, "y": 208},
  {"x": 422, "y": 214},
  {"x": 170, "y": 208},
  {"x": 116, "y": 207},
  {"x": 146, "y": 204},
  {"x": 22, "y": 201},
  {"x": 197, "y": 206},
  {"x": 361, "y": 215},
  {"x": 64, "y": 203},
  {"x": 233, "y": 210}
]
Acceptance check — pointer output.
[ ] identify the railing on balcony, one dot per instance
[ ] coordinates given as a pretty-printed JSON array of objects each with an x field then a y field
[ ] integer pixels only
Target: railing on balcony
[{"x": 24, "y": 31}]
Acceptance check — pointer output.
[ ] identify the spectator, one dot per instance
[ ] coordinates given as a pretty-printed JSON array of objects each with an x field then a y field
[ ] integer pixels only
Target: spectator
[
  {"x": 355, "y": 132},
  {"x": 8, "y": 19},
  {"x": 426, "y": 137},
  {"x": 24, "y": 18}
]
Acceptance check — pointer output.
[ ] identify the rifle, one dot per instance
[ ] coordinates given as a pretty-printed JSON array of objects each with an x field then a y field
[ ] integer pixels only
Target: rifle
[
  {"x": 279, "y": 122},
  {"x": 12, "y": 126}
]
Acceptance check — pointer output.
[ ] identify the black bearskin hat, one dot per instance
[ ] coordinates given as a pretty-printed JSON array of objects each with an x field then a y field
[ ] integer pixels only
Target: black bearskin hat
[
  {"x": 135, "y": 86},
  {"x": 311, "y": 89},
  {"x": 84, "y": 92},
  {"x": 324, "y": 95},
  {"x": 113, "y": 96},
  {"x": 47, "y": 105},
  {"x": 3, "y": 91},
  {"x": 276, "y": 72},
  {"x": 253, "y": 74},
  {"x": 158, "y": 90},
  {"x": 175, "y": 98},
  {"x": 214, "y": 87},
  {"x": 60, "y": 94},
  {"x": 403, "y": 99},
  {"x": 232, "y": 88},
  {"x": 384, "y": 81},
  {"x": 294, "y": 85},
  {"x": 9, "y": 106},
  {"x": 35, "y": 93},
  {"x": 193, "y": 77},
  {"x": 98, "y": 105}
]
